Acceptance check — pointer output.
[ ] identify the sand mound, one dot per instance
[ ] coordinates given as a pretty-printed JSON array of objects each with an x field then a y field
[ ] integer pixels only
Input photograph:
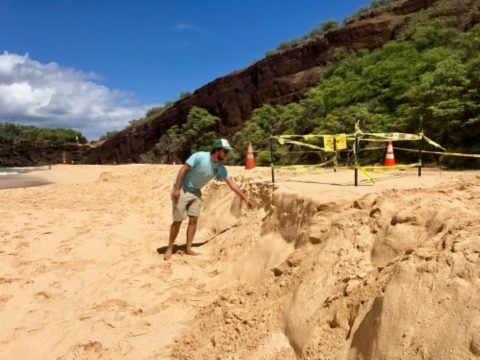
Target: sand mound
[{"x": 318, "y": 270}]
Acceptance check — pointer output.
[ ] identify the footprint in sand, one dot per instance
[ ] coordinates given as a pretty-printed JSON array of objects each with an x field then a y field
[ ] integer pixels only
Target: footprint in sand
[
  {"x": 91, "y": 350},
  {"x": 43, "y": 295},
  {"x": 4, "y": 299},
  {"x": 111, "y": 302}
]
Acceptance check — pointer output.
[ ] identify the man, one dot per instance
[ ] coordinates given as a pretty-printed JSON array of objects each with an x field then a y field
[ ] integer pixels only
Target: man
[{"x": 198, "y": 170}]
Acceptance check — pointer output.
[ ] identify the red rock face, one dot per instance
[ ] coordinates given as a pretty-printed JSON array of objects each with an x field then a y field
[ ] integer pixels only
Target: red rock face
[{"x": 278, "y": 79}]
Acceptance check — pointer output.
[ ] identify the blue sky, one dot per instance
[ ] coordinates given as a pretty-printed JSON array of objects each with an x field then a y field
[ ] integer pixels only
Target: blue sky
[{"x": 96, "y": 64}]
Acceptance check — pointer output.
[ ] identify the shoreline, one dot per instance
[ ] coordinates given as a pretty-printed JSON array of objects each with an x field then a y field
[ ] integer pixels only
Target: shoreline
[
  {"x": 21, "y": 180},
  {"x": 60, "y": 174}
]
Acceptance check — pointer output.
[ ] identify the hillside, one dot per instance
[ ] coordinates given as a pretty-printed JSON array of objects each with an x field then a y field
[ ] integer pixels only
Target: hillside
[{"x": 277, "y": 79}]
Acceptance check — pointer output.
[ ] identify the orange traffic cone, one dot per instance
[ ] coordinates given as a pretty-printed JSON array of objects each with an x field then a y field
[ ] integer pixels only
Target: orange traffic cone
[
  {"x": 389, "y": 158},
  {"x": 250, "y": 162}
]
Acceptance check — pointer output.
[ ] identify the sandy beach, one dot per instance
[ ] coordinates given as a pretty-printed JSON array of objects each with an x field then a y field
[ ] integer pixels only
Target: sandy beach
[{"x": 319, "y": 269}]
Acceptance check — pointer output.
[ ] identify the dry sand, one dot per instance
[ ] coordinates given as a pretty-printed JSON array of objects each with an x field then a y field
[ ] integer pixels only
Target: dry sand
[{"x": 320, "y": 269}]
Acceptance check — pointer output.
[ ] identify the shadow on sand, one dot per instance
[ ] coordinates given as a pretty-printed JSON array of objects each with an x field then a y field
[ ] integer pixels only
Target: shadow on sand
[
  {"x": 361, "y": 182},
  {"x": 161, "y": 250},
  {"x": 21, "y": 181}
]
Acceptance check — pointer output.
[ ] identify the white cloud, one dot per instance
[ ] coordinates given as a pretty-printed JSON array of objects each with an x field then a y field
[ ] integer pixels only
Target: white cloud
[
  {"x": 190, "y": 27},
  {"x": 48, "y": 95}
]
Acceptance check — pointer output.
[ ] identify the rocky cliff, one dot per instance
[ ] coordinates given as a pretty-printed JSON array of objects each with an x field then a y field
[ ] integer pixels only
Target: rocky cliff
[
  {"x": 278, "y": 79},
  {"x": 38, "y": 154}
]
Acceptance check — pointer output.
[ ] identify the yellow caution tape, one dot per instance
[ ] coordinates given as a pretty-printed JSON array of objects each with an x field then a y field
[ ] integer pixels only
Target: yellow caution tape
[
  {"x": 292, "y": 136},
  {"x": 431, "y": 142},
  {"x": 340, "y": 140},
  {"x": 358, "y": 132},
  {"x": 284, "y": 141},
  {"x": 328, "y": 140},
  {"x": 310, "y": 136},
  {"x": 443, "y": 153},
  {"x": 372, "y": 148},
  {"x": 367, "y": 175},
  {"x": 393, "y": 137},
  {"x": 303, "y": 167},
  {"x": 364, "y": 169},
  {"x": 457, "y": 154},
  {"x": 388, "y": 168},
  {"x": 345, "y": 167}
]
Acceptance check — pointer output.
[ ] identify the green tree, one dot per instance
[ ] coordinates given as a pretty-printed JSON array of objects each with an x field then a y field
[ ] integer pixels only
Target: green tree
[
  {"x": 154, "y": 111},
  {"x": 11, "y": 133},
  {"x": 328, "y": 25},
  {"x": 434, "y": 75},
  {"x": 109, "y": 135},
  {"x": 197, "y": 134}
]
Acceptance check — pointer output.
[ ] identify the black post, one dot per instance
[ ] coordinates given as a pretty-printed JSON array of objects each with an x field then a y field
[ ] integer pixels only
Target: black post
[
  {"x": 356, "y": 152},
  {"x": 335, "y": 149},
  {"x": 420, "y": 145},
  {"x": 271, "y": 155}
]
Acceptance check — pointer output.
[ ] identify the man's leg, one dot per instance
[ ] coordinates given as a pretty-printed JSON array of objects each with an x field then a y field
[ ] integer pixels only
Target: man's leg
[
  {"x": 174, "y": 229},
  {"x": 192, "y": 227}
]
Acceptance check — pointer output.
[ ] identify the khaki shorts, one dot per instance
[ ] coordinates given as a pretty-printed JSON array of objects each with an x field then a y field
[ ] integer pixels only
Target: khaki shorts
[{"x": 188, "y": 204}]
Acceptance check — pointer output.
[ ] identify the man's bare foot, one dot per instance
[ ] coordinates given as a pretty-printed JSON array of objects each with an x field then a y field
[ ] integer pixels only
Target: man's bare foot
[
  {"x": 191, "y": 252},
  {"x": 168, "y": 254}
]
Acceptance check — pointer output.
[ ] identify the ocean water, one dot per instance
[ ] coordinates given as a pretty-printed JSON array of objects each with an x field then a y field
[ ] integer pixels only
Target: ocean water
[{"x": 13, "y": 171}]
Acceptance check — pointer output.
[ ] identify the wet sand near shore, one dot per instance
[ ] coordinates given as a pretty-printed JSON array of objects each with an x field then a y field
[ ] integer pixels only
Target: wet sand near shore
[{"x": 21, "y": 180}]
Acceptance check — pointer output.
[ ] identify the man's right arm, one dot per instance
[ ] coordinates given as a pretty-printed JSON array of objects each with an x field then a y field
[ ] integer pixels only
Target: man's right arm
[{"x": 178, "y": 183}]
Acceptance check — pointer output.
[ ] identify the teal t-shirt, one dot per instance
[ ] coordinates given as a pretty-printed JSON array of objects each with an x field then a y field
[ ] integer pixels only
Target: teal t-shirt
[{"x": 203, "y": 170}]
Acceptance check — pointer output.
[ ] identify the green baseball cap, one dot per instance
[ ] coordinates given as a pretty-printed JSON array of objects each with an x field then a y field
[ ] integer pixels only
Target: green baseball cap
[{"x": 222, "y": 144}]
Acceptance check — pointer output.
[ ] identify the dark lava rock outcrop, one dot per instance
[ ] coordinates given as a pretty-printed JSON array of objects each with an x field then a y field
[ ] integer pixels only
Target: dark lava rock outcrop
[{"x": 25, "y": 154}]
